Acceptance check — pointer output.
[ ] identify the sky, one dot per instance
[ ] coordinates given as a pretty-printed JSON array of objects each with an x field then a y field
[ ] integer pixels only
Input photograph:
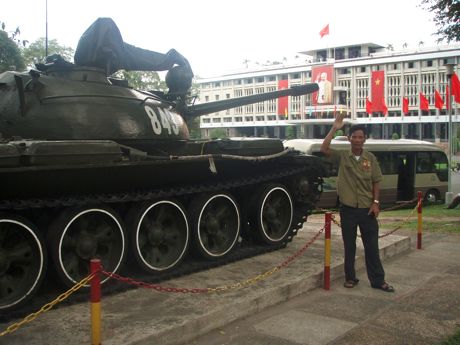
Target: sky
[{"x": 217, "y": 36}]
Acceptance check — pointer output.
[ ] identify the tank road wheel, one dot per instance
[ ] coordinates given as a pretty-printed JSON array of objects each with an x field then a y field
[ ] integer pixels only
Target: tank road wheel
[
  {"x": 272, "y": 213},
  {"x": 22, "y": 262},
  {"x": 160, "y": 235},
  {"x": 215, "y": 223},
  {"x": 79, "y": 235}
]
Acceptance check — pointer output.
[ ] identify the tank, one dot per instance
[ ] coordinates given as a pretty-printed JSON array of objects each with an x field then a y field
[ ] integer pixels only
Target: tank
[{"x": 92, "y": 168}]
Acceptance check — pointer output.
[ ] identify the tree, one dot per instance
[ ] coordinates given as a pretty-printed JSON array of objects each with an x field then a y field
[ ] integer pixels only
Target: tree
[
  {"x": 390, "y": 47},
  {"x": 35, "y": 52},
  {"x": 446, "y": 18},
  {"x": 143, "y": 80},
  {"x": 10, "y": 53},
  {"x": 218, "y": 133},
  {"x": 291, "y": 132}
]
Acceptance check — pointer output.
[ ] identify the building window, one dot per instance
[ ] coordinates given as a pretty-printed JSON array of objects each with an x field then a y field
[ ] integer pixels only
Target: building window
[
  {"x": 340, "y": 53},
  {"x": 354, "y": 52},
  {"x": 217, "y": 84},
  {"x": 260, "y": 79},
  {"x": 363, "y": 69},
  {"x": 206, "y": 98},
  {"x": 321, "y": 55},
  {"x": 429, "y": 63},
  {"x": 272, "y": 78},
  {"x": 227, "y": 95},
  {"x": 249, "y": 81},
  {"x": 296, "y": 76},
  {"x": 216, "y": 97}
]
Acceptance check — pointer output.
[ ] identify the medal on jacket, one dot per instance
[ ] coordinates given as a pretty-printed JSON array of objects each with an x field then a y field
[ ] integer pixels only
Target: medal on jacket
[{"x": 366, "y": 165}]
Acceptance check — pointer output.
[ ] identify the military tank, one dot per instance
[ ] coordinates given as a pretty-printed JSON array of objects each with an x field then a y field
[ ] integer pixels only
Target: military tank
[{"x": 92, "y": 168}]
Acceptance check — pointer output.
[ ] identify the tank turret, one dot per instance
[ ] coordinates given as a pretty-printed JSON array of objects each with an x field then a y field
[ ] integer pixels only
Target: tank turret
[{"x": 90, "y": 167}]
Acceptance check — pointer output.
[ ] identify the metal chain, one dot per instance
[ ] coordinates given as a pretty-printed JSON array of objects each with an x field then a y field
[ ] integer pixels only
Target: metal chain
[
  {"x": 234, "y": 286},
  {"x": 48, "y": 306},
  {"x": 384, "y": 210}
]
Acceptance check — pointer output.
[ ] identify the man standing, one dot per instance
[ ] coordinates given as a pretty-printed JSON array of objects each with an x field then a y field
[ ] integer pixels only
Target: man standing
[{"x": 358, "y": 189}]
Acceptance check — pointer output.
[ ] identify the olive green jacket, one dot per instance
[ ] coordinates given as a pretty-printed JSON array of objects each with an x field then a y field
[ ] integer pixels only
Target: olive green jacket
[{"x": 356, "y": 177}]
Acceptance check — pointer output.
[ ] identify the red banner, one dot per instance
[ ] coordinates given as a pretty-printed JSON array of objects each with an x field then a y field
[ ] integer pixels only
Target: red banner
[
  {"x": 438, "y": 101},
  {"x": 378, "y": 91},
  {"x": 455, "y": 88},
  {"x": 368, "y": 106},
  {"x": 324, "y": 31},
  {"x": 424, "y": 104},
  {"x": 324, "y": 77},
  {"x": 283, "y": 102},
  {"x": 405, "y": 105}
]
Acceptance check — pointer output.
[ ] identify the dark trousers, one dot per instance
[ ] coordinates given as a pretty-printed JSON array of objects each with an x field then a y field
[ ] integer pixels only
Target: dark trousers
[{"x": 350, "y": 219}]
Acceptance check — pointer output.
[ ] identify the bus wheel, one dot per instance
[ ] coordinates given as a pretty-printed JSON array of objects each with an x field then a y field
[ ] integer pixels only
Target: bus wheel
[{"x": 432, "y": 195}]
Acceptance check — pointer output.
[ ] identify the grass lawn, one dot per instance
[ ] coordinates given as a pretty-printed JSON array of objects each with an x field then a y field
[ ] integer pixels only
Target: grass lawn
[{"x": 436, "y": 218}]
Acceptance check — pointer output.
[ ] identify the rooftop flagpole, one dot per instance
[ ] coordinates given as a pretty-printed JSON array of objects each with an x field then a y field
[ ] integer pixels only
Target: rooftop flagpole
[{"x": 46, "y": 28}]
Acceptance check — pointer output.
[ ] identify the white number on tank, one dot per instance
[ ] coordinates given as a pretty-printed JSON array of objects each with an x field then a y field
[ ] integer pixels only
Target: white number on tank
[
  {"x": 153, "y": 119},
  {"x": 166, "y": 121}
]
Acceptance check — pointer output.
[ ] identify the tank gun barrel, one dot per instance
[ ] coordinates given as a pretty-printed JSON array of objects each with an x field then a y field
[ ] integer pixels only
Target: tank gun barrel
[{"x": 212, "y": 107}]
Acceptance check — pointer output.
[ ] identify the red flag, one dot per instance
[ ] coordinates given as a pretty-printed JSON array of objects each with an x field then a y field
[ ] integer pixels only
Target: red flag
[
  {"x": 283, "y": 101},
  {"x": 324, "y": 31},
  {"x": 405, "y": 105},
  {"x": 385, "y": 109},
  {"x": 455, "y": 87},
  {"x": 424, "y": 104},
  {"x": 368, "y": 106},
  {"x": 377, "y": 89},
  {"x": 447, "y": 98},
  {"x": 438, "y": 102}
]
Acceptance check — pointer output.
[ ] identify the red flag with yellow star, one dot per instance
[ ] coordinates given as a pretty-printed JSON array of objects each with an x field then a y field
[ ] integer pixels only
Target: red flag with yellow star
[{"x": 378, "y": 91}]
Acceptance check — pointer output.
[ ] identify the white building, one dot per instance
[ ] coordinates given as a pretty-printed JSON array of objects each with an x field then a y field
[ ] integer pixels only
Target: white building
[{"x": 406, "y": 74}]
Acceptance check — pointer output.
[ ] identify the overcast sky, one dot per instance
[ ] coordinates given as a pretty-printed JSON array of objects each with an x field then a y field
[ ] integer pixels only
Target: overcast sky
[{"x": 216, "y": 36}]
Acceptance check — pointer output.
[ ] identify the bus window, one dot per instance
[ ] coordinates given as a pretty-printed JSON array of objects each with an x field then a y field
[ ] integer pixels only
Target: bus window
[
  {"x": 385, "y": 162},
  {"x": 441, "y": 165},
  {"x": 424, "y": 163}
]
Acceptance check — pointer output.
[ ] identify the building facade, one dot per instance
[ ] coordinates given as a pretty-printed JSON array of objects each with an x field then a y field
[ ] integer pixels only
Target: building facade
[{"x": 352, "y": 70}]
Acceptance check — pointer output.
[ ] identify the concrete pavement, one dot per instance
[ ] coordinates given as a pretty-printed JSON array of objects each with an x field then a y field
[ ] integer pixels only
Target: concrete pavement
[{"x": 288, "y": 307}]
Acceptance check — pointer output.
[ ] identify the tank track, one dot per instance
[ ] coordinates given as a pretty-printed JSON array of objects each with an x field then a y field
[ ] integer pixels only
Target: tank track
[{"x": 245, "y": 249}]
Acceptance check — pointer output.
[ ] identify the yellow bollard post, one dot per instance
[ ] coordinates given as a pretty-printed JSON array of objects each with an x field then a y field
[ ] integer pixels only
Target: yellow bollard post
[
  {"x": 327, "y": 251},
  {"x": 95, "y": 267},
  {"x": 419, "y": 221}
]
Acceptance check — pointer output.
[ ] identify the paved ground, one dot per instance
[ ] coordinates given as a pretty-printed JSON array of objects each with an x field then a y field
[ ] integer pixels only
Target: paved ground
[{"x": 287, "y": 308}]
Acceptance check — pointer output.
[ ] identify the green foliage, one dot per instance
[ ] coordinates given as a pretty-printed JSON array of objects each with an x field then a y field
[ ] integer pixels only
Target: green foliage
[
  {"x": 338, "y": 133},
  {"x": 10, "y": 54},
  {"x": 141, "y": 80},
  {"x": 36, "y": 51},
  {"x": 452, "y": 340},
  {"x": 218, "y": 133},
  {"x": 446, "y": 17},
  {"x": 291, "y": 132},
  {"x": 395, "y": 136},
  {"x": 194, "y": 128}
]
